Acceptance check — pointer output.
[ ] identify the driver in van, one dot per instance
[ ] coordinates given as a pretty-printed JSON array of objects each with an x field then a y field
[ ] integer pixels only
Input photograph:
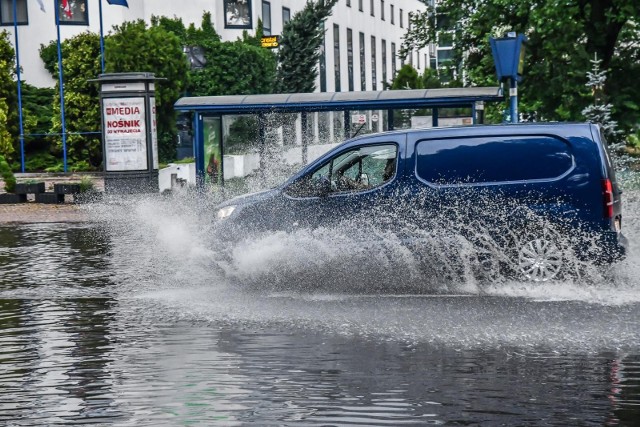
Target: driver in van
[{"x": 345, "y": 183}]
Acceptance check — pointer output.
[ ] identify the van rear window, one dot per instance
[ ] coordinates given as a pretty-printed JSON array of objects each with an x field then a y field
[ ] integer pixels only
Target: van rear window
[{"x": 491, "y": 159}]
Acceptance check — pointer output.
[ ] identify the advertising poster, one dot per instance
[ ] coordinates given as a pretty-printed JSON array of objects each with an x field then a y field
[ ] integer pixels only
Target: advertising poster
[
  {"x": 212, "y": 129},
  {"x": 154, "y": 132},
  {"x": 125, "y": 134}
]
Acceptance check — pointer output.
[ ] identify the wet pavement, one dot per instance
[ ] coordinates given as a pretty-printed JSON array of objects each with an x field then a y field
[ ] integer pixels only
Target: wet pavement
[{"x": 119, "y": 314}]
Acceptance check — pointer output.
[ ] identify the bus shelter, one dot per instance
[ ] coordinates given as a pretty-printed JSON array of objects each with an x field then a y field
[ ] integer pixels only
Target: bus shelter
[{"x": 234, "y": 135}]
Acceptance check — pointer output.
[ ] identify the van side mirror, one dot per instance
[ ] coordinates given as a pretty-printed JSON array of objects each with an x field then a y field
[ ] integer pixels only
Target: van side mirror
[{"x": 323, "y": 186}]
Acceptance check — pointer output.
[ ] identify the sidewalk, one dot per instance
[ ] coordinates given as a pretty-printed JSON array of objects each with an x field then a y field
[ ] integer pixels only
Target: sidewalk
[
  {"x": 47, "y": 213},
  {"x": 27, "y": 213}
]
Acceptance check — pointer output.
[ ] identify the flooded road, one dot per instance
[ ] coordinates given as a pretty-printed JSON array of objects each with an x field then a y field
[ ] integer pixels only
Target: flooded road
[{"x": 128, "y": 320}]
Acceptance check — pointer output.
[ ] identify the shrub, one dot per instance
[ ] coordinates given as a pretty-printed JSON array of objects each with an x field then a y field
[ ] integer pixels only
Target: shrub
[{"x": 7, "y": 176}]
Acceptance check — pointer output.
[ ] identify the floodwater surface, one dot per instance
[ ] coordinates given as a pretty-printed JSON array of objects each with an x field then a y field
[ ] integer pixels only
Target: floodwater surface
[{"x": 135, "y": 319}]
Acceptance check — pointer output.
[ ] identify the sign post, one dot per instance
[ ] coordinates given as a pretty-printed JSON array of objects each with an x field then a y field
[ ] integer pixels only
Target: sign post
[
  {"x": 129, "y": 136},
  {"x": 508, "y": 57}
]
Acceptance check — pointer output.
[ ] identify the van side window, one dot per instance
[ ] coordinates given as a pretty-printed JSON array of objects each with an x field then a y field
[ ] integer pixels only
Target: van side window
[
  {"x": 359, "y": 169},
  {"x": 492, "y": 159}
]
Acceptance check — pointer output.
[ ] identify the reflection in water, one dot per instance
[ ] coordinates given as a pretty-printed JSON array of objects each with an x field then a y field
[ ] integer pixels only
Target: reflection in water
[{"x": 130, "y": 321}]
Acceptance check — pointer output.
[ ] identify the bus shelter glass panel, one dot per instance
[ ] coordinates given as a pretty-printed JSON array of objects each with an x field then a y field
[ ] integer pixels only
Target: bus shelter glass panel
[
  {"x": 408, "y": 118},
  {"x": 338, "y": 126},
  {"x": 460, "y": 116},
  {"x": 364, "y": 122},
  {"x": 213, "y": 164},
  {"x": 324, "y": 134},
  {"x": 240, "y": 134},
  {"x": 423, "y": 118}
]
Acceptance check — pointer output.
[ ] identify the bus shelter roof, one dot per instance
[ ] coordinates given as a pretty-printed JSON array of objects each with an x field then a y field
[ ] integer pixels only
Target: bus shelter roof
[{"x": 336, "y": 101}]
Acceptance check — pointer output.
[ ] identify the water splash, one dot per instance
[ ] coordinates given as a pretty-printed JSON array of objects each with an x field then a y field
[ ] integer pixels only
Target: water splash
[{"x": 175, "y": 239}]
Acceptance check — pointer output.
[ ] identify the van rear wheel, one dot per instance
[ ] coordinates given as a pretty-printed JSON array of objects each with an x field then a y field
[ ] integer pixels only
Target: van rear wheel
[{"x": 540, "y": 257}]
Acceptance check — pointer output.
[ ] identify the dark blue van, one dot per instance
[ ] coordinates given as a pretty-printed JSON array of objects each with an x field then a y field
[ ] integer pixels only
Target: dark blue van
[{"x": 540, "y": 193}]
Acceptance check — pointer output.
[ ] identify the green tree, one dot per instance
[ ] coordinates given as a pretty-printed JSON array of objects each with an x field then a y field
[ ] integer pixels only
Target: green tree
[
  {"x": 7, "y": 175},
  {"x": 407, "y": 78},
  {"x": 563, "y": 37},
  {"x": 234, "y": 68},
  {"x": 9, "y": 121},
  {"x": 134, "y": 46},
  {"x": 600, "y": 111},
  {"x": 80, "y": 63},
  {"x": 230, "y": 68},
  {"x": 38, "y": 107},
  {"x": 300, "y": 45},
  {"x": 6, "y": 140},
  {"x": 430, "y": 79}
]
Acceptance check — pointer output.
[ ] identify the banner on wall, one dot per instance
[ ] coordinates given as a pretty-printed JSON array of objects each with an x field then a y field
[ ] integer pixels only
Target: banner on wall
[
  {"x": 212, "y": 129},
  {"x": 125, "y": 134}
]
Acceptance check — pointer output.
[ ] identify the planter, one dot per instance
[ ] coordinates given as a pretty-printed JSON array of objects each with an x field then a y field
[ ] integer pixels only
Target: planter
[
  {"x": 31, "y": 188},
  {"x": 11, "y": 198},
  {"x": 66, "y": 188},
  {"x": 49, "y": 198}
]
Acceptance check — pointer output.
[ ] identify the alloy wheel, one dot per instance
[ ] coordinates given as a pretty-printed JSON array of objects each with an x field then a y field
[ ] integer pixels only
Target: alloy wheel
[{"x": 540, "y": 259}]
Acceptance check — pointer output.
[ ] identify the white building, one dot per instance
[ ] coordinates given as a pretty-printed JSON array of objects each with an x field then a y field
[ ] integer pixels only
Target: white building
[{"x": 361, "y": 46}]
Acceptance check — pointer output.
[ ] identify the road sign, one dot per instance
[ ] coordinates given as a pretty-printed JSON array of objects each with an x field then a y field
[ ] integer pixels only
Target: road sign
[
  {"x": 374, "y": 117},
  {"x": 358, "y": 119}
]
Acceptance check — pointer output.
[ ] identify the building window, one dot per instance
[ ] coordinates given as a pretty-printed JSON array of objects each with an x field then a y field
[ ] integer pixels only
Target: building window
[
  {"x": 382, "y": 9},
  {"x": 75, "y": 12},
  {"x": 286, "y": 15},
  {"x": 401, "y": 19},
  {"x": 336, "y": 57},
  {"x": 418, "y": 60},
  {"x": 374, "y": 65},
  {"x": 6, "y": 12},
  {"x": 350, "y": 57},
  {"x": 393, "y": 60},
  {"x": 348, "y": 3},
  {"x": 392, "y": 15},
  {"x": 323, "y": 63},
  {"x": 384, "y": 62},
  {"x": 373, "y": 8},
  {"x": 266, "y": 18},
  {"x": 363, "y": 72},
  {"x": 361, "y": 5},
  {"x": 237, "y": 14}
]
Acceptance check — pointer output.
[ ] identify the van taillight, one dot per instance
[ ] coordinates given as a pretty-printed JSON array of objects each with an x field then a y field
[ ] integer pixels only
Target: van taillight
[{"x": 607, "y": 198}]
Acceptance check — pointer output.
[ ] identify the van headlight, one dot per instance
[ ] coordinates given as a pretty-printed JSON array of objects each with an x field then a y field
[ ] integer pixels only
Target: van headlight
[{"x": 226, "y": 211}]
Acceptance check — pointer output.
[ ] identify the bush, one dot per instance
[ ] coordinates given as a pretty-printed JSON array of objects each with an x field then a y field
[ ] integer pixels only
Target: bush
[{"x": 7, "y": 176}]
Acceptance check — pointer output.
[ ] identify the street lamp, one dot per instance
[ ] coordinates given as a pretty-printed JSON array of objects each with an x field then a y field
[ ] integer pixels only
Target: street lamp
[{"x": 508, "y": 56}]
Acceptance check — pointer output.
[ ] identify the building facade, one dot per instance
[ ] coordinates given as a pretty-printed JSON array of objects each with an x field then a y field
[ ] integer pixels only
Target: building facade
[{"x": 360, "y": 52}]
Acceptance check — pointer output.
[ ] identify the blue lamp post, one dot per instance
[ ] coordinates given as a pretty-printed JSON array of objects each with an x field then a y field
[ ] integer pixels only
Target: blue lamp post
[{"x": 508, "y": 56}]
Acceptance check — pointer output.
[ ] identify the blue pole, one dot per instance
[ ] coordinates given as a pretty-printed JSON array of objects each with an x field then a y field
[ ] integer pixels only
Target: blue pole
[
  {"x": 15, "y": 31},
  {"x": 62, "y": 118},
  {"x": 101, "y": 38},
  {"x": 513, "y": 100}
]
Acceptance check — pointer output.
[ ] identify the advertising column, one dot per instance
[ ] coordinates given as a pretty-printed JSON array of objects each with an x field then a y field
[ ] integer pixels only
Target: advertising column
[{"x": 129, "y": 136}]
